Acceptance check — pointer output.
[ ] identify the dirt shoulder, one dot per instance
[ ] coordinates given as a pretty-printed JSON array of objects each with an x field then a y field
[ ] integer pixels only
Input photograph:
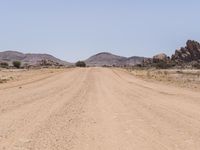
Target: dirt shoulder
[
  {"x": 14, "y": 77},
  {"x": 189, "y": 79}
]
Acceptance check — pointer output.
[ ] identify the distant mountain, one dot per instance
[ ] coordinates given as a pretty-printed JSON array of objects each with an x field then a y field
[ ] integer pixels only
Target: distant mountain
[
  {"x": 31, "y": 59},
  {"x": 108, "y": 59}
]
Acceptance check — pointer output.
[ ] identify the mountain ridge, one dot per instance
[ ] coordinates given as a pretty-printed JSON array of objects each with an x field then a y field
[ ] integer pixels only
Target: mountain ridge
[
  {"x": 109, "y": 59},
  {"x": 28, "y": 58}
]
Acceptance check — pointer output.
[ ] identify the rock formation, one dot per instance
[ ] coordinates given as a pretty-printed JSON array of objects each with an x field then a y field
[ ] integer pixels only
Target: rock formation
[{"x": 187, "y": 54}]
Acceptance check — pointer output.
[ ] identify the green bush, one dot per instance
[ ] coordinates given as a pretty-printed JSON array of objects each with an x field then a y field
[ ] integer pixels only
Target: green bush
[
  {"x": 17, "y": 64},
  {"x": 80, "y": 64},
  {"x": 4, "y": 65}
]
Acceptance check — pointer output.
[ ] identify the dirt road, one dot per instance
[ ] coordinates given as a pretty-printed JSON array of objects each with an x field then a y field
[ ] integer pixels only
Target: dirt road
[{"x": 97, "y": 109}]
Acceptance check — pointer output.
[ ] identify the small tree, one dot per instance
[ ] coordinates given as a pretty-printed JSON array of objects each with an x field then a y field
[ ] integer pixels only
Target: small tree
[
  {"x": 17, "y": 64},
  {"x": 80, "y": 64}
]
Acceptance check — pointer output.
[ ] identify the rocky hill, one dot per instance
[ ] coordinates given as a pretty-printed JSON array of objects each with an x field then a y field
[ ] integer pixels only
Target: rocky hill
[
  {"x": 185, "y": 57},
  {"x": 189, "y": 53},
  {"x": 29, "y": 59},
  {"x": 108, "y": 59}
]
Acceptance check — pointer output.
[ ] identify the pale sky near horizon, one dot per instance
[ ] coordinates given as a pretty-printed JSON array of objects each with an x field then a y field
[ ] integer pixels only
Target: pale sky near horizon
[{"x": 76, "y": 29}]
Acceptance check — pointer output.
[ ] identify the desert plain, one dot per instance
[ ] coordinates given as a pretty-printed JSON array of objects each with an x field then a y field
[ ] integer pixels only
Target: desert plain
[{"x": 98, "y": 109}]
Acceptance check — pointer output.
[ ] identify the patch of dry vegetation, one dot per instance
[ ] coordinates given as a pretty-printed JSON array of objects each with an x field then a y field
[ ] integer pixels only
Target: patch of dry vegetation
[
  {"x": 183, "y": 78},
  {"x": 5, "y": 79},
  {"x": 12, "y": 75}
]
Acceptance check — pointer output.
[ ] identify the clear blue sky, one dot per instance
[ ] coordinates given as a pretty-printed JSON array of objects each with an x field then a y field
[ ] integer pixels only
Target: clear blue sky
[{"x": 75, "y": 29}]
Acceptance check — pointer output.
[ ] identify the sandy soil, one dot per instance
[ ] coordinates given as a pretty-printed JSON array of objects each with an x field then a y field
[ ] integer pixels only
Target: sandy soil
[{"x": 97, "y": 109}]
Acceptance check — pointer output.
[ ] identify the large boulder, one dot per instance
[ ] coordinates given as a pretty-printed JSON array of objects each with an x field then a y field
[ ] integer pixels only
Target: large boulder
[{"x": 160, "y": 57}]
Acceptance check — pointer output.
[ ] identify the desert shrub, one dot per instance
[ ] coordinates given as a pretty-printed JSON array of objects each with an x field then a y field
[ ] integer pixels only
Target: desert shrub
[
  {"x": 80, "y": 64},
  {"x": 163, "y": 65},
  {"x": 105, "y": 66},
  {"x": 138, "y": 65},
  {"x": 17, "y": 64},
  {"x": 196, "y": 65},
  {"x": 4, "y": 65}
]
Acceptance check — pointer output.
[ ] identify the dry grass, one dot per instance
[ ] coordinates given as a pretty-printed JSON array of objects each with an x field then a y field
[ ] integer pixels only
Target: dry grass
[
  {"x": 11, "y": 75},
  {"x": 183, "y": 78}
]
